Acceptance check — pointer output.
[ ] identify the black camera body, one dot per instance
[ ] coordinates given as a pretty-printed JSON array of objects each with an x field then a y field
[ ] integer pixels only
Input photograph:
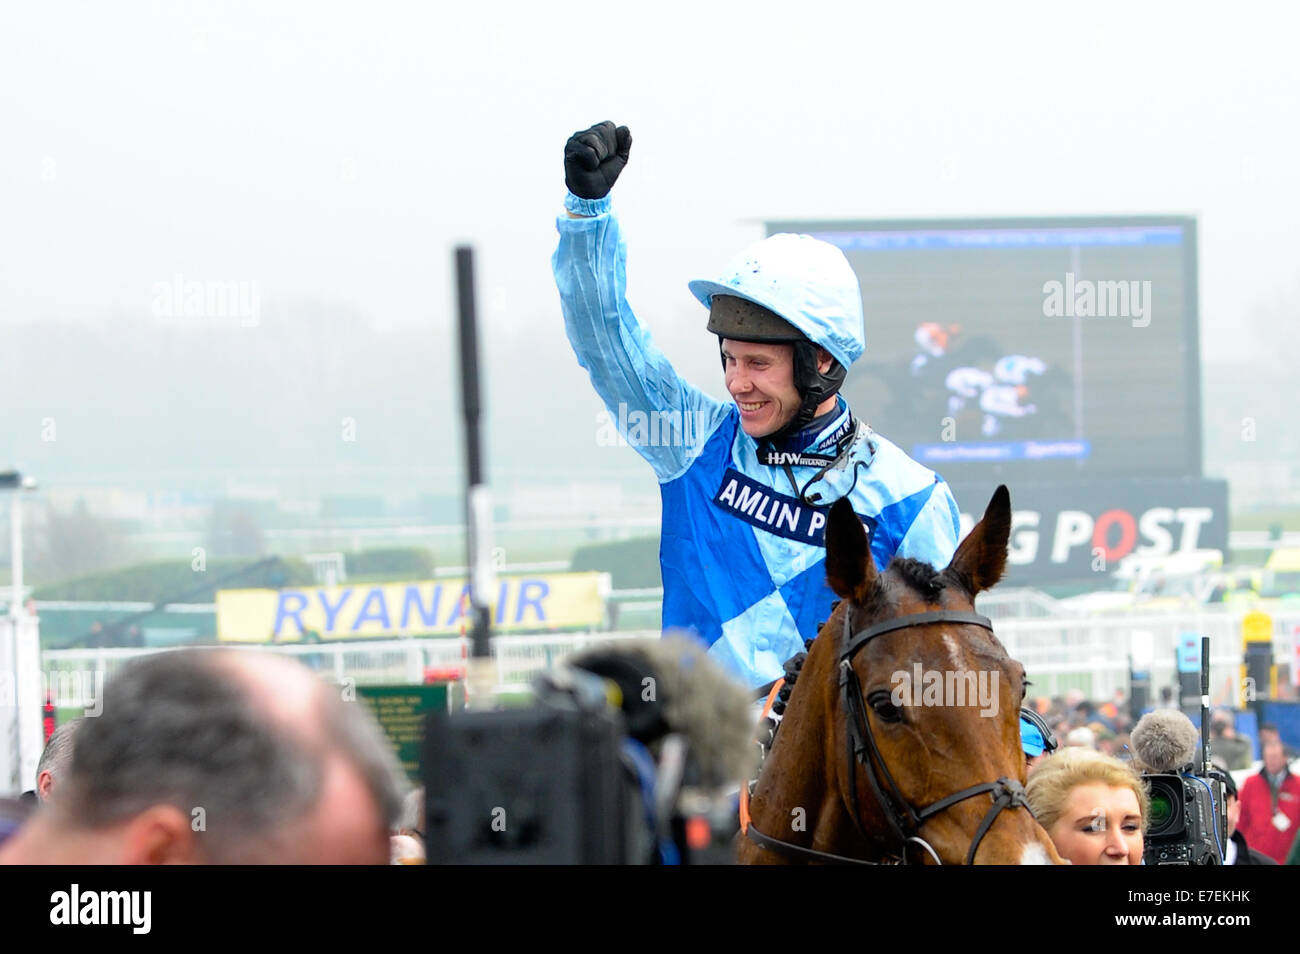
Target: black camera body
[
  {"x": 545, "y": 783},
  {"x": 1188, "y": 819}
]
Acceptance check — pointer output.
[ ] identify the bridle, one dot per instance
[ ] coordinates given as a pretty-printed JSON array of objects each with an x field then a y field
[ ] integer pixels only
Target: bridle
[{"x": 904, "y": 821}]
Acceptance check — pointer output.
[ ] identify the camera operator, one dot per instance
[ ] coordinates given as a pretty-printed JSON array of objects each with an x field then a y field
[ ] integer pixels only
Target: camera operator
[
  {"x": 1237, "y": 852},
  {"x": 1186, "y": 821}
]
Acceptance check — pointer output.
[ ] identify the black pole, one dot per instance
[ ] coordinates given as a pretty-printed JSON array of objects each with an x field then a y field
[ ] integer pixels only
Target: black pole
[
  {"x": 1139, "y": 690},
  {"x": 478, "y": 511},
  {"x": 1205, "y": 705}
]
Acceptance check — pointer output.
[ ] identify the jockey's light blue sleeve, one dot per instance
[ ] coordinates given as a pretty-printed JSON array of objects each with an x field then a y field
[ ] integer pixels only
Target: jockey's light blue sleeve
[
  {"x": 663, "y": 417},
  {"x": 932, "y": 537}
]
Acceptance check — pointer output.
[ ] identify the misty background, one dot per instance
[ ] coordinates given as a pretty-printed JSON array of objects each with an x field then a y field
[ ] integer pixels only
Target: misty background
[{"x": 331, "y": 155}]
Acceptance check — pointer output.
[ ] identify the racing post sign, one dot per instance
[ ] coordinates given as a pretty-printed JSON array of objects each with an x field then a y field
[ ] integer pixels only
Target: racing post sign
[{"x": 1258, "y": 673}]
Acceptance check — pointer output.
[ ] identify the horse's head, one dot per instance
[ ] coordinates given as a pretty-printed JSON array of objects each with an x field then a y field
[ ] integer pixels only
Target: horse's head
[{"x": 940, "y": 699}]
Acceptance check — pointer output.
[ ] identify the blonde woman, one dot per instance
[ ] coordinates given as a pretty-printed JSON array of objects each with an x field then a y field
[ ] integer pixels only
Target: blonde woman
[{"x": 1094, "y": 807}]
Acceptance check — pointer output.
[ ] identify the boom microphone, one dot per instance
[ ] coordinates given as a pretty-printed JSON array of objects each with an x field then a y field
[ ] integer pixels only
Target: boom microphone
[
  {"x": 670, "y": 685},
  {"x": 1164, "y": 741}
]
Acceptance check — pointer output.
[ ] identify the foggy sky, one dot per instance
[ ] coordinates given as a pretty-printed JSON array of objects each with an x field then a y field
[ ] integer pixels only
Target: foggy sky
[{"x": 336, "y": 152}]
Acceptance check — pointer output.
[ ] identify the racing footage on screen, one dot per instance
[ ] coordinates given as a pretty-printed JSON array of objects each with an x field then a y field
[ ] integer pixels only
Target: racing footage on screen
[{"x": 1030, "y": 348}]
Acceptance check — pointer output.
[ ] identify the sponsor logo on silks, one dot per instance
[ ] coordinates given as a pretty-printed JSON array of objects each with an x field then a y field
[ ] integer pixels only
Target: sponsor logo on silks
[
  {"x": 849, "y": 426},
  {"x": 838, "y": 440},
  {"x": 775, "y": 458},
  {"x": 774, "y": 512}
]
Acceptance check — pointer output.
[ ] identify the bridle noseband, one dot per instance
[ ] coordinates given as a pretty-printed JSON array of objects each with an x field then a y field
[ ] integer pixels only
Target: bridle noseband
[{"x": 904, "y": 821}]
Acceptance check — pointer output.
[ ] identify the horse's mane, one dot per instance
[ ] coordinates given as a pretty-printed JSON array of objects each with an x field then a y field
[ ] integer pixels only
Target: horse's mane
[
  {"x": 925, "y": 579},
  {"x": 917, "y": 575}
]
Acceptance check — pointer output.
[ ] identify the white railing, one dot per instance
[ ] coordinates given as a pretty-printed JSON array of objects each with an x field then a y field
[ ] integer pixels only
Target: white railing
[
  {"x": 1059, "y": 653},
  {"x": 75, "y": 676},
  {"x": 1092, "y": 653},
  {"x": 1001, "y": 603},
  {"x": 1016, "y": 604}
]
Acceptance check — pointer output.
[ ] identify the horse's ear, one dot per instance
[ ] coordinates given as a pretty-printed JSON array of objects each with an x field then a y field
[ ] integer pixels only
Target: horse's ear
[
  {"x": 982, "y": 557},
  {"x": 849, "y": 569}
]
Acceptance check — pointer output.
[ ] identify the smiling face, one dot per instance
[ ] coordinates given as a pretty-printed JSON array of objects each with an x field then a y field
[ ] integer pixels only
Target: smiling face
[
  {"x": 760, "y": 378},
  {"x": 1099, "y": 825}
]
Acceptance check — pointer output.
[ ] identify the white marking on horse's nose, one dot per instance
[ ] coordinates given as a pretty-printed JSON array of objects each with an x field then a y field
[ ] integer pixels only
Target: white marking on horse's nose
[
  {"x": 954, "y": 651},
  {"x": 1034, "y": 854}
]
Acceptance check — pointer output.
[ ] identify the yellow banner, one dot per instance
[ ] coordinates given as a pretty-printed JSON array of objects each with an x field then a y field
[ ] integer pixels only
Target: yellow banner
[
  {"x": 1257, "y": 627},
  {"x": 428, "y": 607}
]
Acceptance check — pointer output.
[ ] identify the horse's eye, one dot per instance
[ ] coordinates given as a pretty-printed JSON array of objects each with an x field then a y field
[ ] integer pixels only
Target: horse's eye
[{"x": 882, "y": 703}]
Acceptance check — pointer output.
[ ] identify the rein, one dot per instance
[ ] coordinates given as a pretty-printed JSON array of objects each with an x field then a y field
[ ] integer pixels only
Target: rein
[{"x": 904, "y": 821}]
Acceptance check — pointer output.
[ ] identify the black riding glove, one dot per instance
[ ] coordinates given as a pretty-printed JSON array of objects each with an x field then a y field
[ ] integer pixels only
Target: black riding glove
[{"x": 594, "y": 157}]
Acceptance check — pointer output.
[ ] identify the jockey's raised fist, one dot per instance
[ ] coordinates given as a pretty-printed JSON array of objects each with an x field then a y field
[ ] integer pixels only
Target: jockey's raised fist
[{"x": 594, "y": 157}]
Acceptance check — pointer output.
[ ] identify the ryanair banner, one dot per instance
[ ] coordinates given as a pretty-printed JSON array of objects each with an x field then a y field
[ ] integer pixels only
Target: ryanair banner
[{"x": 427, "y": 608}]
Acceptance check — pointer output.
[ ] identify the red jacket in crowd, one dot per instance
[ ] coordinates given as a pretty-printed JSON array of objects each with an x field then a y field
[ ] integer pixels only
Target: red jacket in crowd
[{"x": 1258, "y": 809}]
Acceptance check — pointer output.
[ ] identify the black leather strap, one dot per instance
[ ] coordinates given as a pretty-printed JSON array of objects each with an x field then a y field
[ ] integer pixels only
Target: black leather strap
[
  {"x": 858, "y": 639},
  {"x": 799, "y": 852},
  {"x": 1007, "y": 793}
]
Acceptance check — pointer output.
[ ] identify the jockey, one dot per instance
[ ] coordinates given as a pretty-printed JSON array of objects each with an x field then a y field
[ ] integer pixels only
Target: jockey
[{"x": 746, "y": 483}]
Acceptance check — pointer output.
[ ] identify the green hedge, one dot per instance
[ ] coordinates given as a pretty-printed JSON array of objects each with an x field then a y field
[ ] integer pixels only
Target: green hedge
[
  {"x": 632, "y": 564},
  {"x": 69, "y": 628},
  {"x": 392, "y": 563},
  {"x": 177, "y": 581},
  {"x": 170, "y": 580}
]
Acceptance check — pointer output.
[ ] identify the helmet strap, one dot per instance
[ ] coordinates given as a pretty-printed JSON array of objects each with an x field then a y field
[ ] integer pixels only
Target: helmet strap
[{"x": 813, "y": 386}]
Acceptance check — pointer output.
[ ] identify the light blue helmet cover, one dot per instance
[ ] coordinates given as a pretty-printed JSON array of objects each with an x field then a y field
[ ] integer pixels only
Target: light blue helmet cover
[{"x": 806, "y": 281}]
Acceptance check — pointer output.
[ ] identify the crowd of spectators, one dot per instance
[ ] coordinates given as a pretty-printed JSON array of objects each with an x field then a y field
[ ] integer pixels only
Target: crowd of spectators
[
  {"x": 221, "y": 756},
  {"x": 1094, "y": 763}
]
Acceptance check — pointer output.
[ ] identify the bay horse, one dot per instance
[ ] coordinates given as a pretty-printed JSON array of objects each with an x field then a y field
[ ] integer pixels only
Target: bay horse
[{"x": 866, "y": 765}]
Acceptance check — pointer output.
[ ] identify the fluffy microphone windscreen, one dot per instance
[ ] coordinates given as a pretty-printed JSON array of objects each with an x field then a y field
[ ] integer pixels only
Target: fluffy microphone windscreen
[
  {"x": 1164, "y": 740},
  {"x": 692, "y": 695}
]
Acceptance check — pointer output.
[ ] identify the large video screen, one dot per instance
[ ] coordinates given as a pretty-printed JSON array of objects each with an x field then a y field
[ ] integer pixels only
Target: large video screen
[{"x": 1030, "y": 349}]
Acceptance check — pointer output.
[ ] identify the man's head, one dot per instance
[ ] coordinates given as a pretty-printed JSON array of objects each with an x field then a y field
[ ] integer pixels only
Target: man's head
[
  {"x": 798, "y": 299},
  {"x": 1274, "y": 756},
  {"x": 55, "y": 758},
  {"x": 220, "y": 757},
  {"x": 760, "y": 377}
]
